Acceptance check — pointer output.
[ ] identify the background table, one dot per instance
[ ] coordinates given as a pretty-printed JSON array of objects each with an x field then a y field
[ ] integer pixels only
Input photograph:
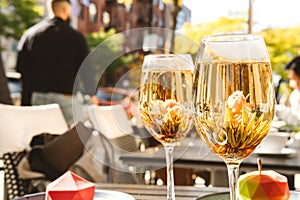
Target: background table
[
  {"x": 194, "y": 154},
  {"x": 199, "y": 156},
  {"x": 146, "y": 192},
  {"x": 154, "y": 192}
]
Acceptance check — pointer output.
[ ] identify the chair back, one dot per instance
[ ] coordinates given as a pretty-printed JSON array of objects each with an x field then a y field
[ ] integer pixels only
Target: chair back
[
  {"x": 18, "y": 124},
  {"x": 112, "y": 120}
]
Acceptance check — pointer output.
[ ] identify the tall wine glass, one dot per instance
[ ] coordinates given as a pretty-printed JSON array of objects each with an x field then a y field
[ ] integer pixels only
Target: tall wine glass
[
  {"x": 166, "y": 103},
  {"x": 234, "y": 97}
]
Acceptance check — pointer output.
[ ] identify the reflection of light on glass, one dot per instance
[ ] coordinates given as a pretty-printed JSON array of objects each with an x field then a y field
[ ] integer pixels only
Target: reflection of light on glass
[
  {"x": 127, "y": 7},
  {"x": 131, "y": 168},
  {"x": 93, "y": 12},
  {"x": 106, "y": 18},
  {"x": 160, "y": 182},
  {"x": 199, "y": 182},
  {"x": 92, "y": 9},
  {"x": 297, "y": 181},
  {"x": 147, "y": 177}
]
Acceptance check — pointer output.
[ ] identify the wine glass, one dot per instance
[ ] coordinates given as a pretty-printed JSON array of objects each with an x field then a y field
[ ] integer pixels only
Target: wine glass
[
  {"x": 166, "y": 103},
  {"x": 234, "y": 97}
]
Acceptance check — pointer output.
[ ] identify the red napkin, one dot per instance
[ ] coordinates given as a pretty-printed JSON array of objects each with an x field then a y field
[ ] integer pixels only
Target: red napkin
[{"x": 70, "y": 186}]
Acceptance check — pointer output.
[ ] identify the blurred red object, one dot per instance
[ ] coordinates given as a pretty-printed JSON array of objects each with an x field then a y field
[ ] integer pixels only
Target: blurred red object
[{"x": 114, "y": 96}]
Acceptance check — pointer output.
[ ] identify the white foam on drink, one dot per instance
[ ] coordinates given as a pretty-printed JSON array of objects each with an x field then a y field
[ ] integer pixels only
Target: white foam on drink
[
  {"x": 236, "y": 50},
  {"x": 168, "y": 62}
]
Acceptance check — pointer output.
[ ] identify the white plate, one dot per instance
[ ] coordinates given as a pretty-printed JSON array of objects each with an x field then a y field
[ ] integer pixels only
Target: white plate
[
  {"x": 283, "y": 152},
  {"x": 112, "y": 195},
  {"x": 99, "y": 195}
]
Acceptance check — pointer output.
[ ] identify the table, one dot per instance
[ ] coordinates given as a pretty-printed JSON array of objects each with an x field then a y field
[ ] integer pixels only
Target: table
[
  {"x": 155, "y": 192},
  {"x": 145, "y": 192}
]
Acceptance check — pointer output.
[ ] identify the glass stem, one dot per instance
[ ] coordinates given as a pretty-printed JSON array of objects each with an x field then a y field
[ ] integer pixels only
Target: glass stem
[
  {"x": 170, "y": 175},
  {"x": 233, "y": 175}
]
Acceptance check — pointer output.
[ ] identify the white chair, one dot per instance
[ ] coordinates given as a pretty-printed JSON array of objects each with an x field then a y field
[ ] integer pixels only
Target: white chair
[
  {"x": 18, "y": 124},
  {"x": 113, "y": 122}
]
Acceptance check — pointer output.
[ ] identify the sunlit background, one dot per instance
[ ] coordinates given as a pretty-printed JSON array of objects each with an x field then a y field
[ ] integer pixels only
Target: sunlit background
[
  {"x": 266, "y": 13},
  {"x": 278, "y": 21}
]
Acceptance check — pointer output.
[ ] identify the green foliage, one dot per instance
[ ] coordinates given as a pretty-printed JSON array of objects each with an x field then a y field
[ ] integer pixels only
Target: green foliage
[
  {"x": 283, "y": 45},
  {"x": 96, "y": 38},
  {"x": 221, "y": 26},
  {"x": 198, "y": 31},
  {"x": 16, "y": 16},
  {"x": 106, "y": 46}
]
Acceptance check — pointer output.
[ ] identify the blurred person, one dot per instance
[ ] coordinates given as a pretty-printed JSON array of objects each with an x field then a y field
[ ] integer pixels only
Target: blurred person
[
  {"x": 290, "y": 110},
  {"x": 50, "y": 55},
  {"x": 4, "y": 90}
]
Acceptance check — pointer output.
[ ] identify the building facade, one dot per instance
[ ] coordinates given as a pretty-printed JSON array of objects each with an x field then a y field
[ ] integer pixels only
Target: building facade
[{"x": 105, "y": 14}]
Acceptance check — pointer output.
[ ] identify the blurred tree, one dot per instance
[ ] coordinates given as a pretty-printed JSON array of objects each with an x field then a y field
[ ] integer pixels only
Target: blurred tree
[
  {"x": 15, "y": 17},
  {"x": 221, "y": 26},
  {"x": 197, "y": 32},
  {"x": 283, "y": 45},
  {"x": 108, "y": 56}
]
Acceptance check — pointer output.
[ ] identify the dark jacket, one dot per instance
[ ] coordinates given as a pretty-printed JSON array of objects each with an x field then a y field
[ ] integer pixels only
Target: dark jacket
[
  {"x": 50, "y": 55},
  {"x": 4, "y": 90}
]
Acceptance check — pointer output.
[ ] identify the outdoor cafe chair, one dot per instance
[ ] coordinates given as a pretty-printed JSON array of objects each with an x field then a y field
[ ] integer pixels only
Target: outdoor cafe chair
[
  {"x": 113, "y": 122},
  {"x": 20, "y": 123},
  {"x": 18, "y": 126}
]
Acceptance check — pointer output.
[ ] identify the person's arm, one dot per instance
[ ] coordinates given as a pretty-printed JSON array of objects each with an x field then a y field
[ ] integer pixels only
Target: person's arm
[
  {"x": 23, "y": 66},
  {"x": 20, "y": 61},
  {"x": 4, "y": 90}
]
